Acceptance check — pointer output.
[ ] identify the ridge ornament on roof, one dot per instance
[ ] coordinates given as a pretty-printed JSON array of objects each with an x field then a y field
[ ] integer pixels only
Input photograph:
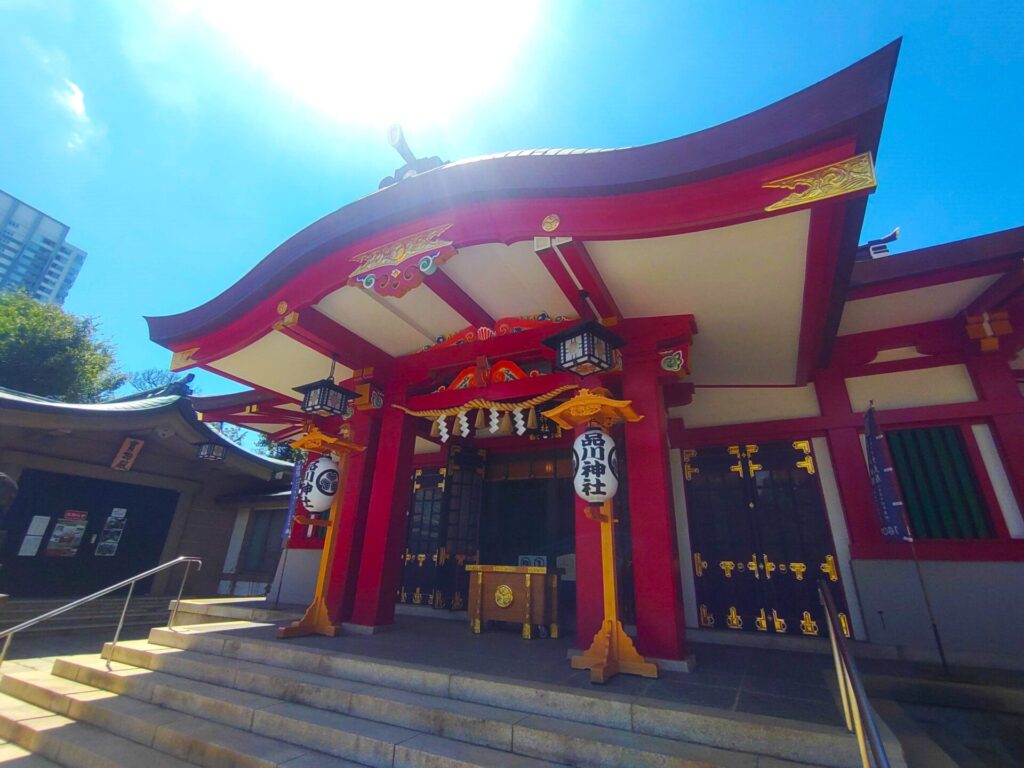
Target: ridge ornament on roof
[{"x": 413, "y": 165}]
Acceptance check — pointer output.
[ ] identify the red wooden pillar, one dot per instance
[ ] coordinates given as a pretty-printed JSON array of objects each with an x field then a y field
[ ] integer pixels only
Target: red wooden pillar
[
  {"x": 341, "y": 585},
  {"x": 380, "y": 565},
  {"x": 994, "y": 382},
  {"x": 589, "y": 587},
  {"x": 660, "y": 624},
  {"x": 849, "y": 464}
]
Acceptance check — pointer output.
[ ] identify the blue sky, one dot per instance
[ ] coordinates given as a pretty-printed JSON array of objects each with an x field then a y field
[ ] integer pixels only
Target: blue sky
[{"x": 182, "y": 142}]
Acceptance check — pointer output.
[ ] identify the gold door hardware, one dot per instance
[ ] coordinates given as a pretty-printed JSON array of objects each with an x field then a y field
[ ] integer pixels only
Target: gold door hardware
[
  {"x": 421, "y": 559},
  {"x": 780, "y": 624},
  {"x": 706, "y": 617},
  {"x": 798, "y": 570},
  {"x": 807, "y": 462},
  {"x": 754, "y": 567},
  {"x": 761, "y": 621},
  {"x": 808, "y": 625},
  {"x": 769, "y": 566},
  {"x": 829, "y": 568},
  {"x": 733, "y": 620},
  {"x": 698, "y": 564},
  {"x": 688, "y": 469},
  {"x": 727, "y": 566}
]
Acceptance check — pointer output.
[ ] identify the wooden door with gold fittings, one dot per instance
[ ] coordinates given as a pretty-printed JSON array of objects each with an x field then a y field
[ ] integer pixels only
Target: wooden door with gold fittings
[
  {"x": 760, "y": 538},
  {"x": 442, "y": 532}
]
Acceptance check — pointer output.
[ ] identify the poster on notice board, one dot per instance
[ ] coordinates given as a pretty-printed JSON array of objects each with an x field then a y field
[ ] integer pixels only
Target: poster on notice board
[
  {"x": 67, "y": 534},
  {"x": 110, "y": 537}
]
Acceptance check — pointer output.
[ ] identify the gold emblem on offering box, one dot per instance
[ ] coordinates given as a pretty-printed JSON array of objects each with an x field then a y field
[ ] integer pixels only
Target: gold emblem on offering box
[
  {"x": 503, "y": 596},
  {"x": 808, "y": 625}
]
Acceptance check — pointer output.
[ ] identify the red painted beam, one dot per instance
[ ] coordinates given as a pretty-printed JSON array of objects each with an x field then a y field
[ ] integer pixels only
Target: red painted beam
[
  {"x": 317, "y": 331},
  {"x": 459, "y": 300},
  {"x": 415, "y": 367},
  {"x": 549, "y": 258},
  {"x": 579, "y": 261},
  {"x": 512, "y": 390}
]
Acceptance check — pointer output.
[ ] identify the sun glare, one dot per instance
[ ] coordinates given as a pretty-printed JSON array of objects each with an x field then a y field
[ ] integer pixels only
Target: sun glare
[{"x": 373, "y": 63}]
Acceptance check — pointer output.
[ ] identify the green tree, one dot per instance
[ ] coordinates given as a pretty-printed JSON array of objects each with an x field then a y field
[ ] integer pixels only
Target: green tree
[
  {"x": 281, "y": 451},
  {"x": 47, "y": 351},
  {"x": 152, "y": 378}
]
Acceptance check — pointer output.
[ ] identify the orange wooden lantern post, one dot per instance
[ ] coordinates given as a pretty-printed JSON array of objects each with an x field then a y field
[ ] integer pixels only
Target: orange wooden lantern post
[
  {"x": 316, "y": 620},
  {"x": 612, "y": 651}
]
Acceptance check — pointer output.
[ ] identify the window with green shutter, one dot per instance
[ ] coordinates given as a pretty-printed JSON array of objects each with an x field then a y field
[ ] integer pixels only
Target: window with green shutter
[{"x": 940, "y": 489}]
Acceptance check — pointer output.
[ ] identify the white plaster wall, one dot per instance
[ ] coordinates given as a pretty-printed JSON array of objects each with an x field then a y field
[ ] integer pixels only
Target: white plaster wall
[
  {"x": 840, "y": 533},
  {"x": 683, "y": 538},
  {"x": 1000, "y": 482},
  {"x": 905, "y": 389},
  {"x": 715, "y": 406},
  {"x": 295, "y": 580},
  {"x": 235, "y": 543}
]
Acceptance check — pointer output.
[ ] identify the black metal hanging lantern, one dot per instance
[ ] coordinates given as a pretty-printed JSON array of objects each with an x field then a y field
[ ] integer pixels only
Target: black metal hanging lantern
[
  {"x": 587, "y": 347},
  {"x": 324, "y": 397},
  {"x": 211, "y": 451}
]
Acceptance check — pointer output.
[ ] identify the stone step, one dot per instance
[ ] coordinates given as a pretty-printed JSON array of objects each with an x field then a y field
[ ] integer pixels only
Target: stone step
[
  {"x": 476, "y": 723},
  {"x": 753, "y": 734},
  {"x": 72, "y": 744},
  {"x": 364, "y": 741},
  {"x": 182, "y": 736},
  {"x": 12, "y": 753}
]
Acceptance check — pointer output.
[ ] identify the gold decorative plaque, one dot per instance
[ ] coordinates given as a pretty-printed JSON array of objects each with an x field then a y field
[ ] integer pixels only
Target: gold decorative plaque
[
  {"x": 551, "y": 222},
  {"x": 851, "y": 175},
  {"x": 503, "y": 596}
]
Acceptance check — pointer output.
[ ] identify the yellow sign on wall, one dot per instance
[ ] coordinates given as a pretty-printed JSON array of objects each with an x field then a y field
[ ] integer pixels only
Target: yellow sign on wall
[{"x": 127, "y": 454}]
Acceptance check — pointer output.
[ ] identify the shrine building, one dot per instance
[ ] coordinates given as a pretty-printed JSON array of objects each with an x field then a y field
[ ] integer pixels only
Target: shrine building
[{"x": 733, "y": 305}]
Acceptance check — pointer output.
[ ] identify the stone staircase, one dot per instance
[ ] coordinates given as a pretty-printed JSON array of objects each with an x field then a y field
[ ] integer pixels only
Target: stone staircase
[
  {"x": 143, "y": 611},
  {"x": 206, "y": 695}
]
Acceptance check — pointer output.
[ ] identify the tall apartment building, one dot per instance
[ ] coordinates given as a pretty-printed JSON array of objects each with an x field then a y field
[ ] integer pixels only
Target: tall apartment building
[{"x": 34, "y": 254}]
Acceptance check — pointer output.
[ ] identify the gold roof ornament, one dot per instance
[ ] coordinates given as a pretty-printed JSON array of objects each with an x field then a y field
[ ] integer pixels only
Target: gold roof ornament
[
  {"x": 318, "y": 442},
  {"x": 592, "y": 407}
]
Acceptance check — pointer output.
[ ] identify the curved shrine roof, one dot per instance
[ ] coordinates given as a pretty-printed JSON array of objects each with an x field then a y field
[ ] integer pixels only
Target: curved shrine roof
[{"x": 848, "y": 105}]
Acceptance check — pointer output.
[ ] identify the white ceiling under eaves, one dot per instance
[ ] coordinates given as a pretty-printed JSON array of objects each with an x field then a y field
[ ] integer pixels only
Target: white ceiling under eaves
[
  {"x": 744, "y": 285},
  {"x": 920, "y": 305}
]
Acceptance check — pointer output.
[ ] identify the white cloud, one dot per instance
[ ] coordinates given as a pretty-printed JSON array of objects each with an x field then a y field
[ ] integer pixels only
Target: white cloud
[{"x": 73, "y": 100}]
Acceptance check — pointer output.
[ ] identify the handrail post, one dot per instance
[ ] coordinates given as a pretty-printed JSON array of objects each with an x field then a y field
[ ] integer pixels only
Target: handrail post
[
  {"x": 181, "y": 591},
  {"x": 7, "y": 644},
  {"x": 117, "y": 634},
  {"x": 837, "y": 660}
]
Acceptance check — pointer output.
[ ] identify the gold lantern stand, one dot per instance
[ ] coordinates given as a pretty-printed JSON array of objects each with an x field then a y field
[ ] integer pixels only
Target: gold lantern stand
[
  {"x": 316, "y": 620},
  {"x": 612, "y": 651}
]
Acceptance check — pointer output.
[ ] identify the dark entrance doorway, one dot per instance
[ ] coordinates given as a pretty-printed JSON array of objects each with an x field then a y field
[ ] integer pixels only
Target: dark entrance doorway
[
  {"x": 442, "y": 535},
  {"x": 68, "y": 535},
  {"x": 760, "y": 538}
]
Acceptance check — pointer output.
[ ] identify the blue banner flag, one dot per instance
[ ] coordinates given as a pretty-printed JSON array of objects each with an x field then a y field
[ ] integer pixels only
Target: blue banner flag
[
  {"x": 292, "y": 500},
  {"x": 884, "y": 483}
]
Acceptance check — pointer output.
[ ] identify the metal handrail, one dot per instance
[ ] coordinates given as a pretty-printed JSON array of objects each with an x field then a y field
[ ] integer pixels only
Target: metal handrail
[
  {"x": 129, "y": 582},
  {"x": 856, "y": 708}
]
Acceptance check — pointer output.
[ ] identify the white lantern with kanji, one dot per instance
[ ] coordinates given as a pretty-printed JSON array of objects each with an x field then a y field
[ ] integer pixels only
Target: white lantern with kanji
[
  {"x": 319, "y": 484},
  {"x": 595, "y": 468}
]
